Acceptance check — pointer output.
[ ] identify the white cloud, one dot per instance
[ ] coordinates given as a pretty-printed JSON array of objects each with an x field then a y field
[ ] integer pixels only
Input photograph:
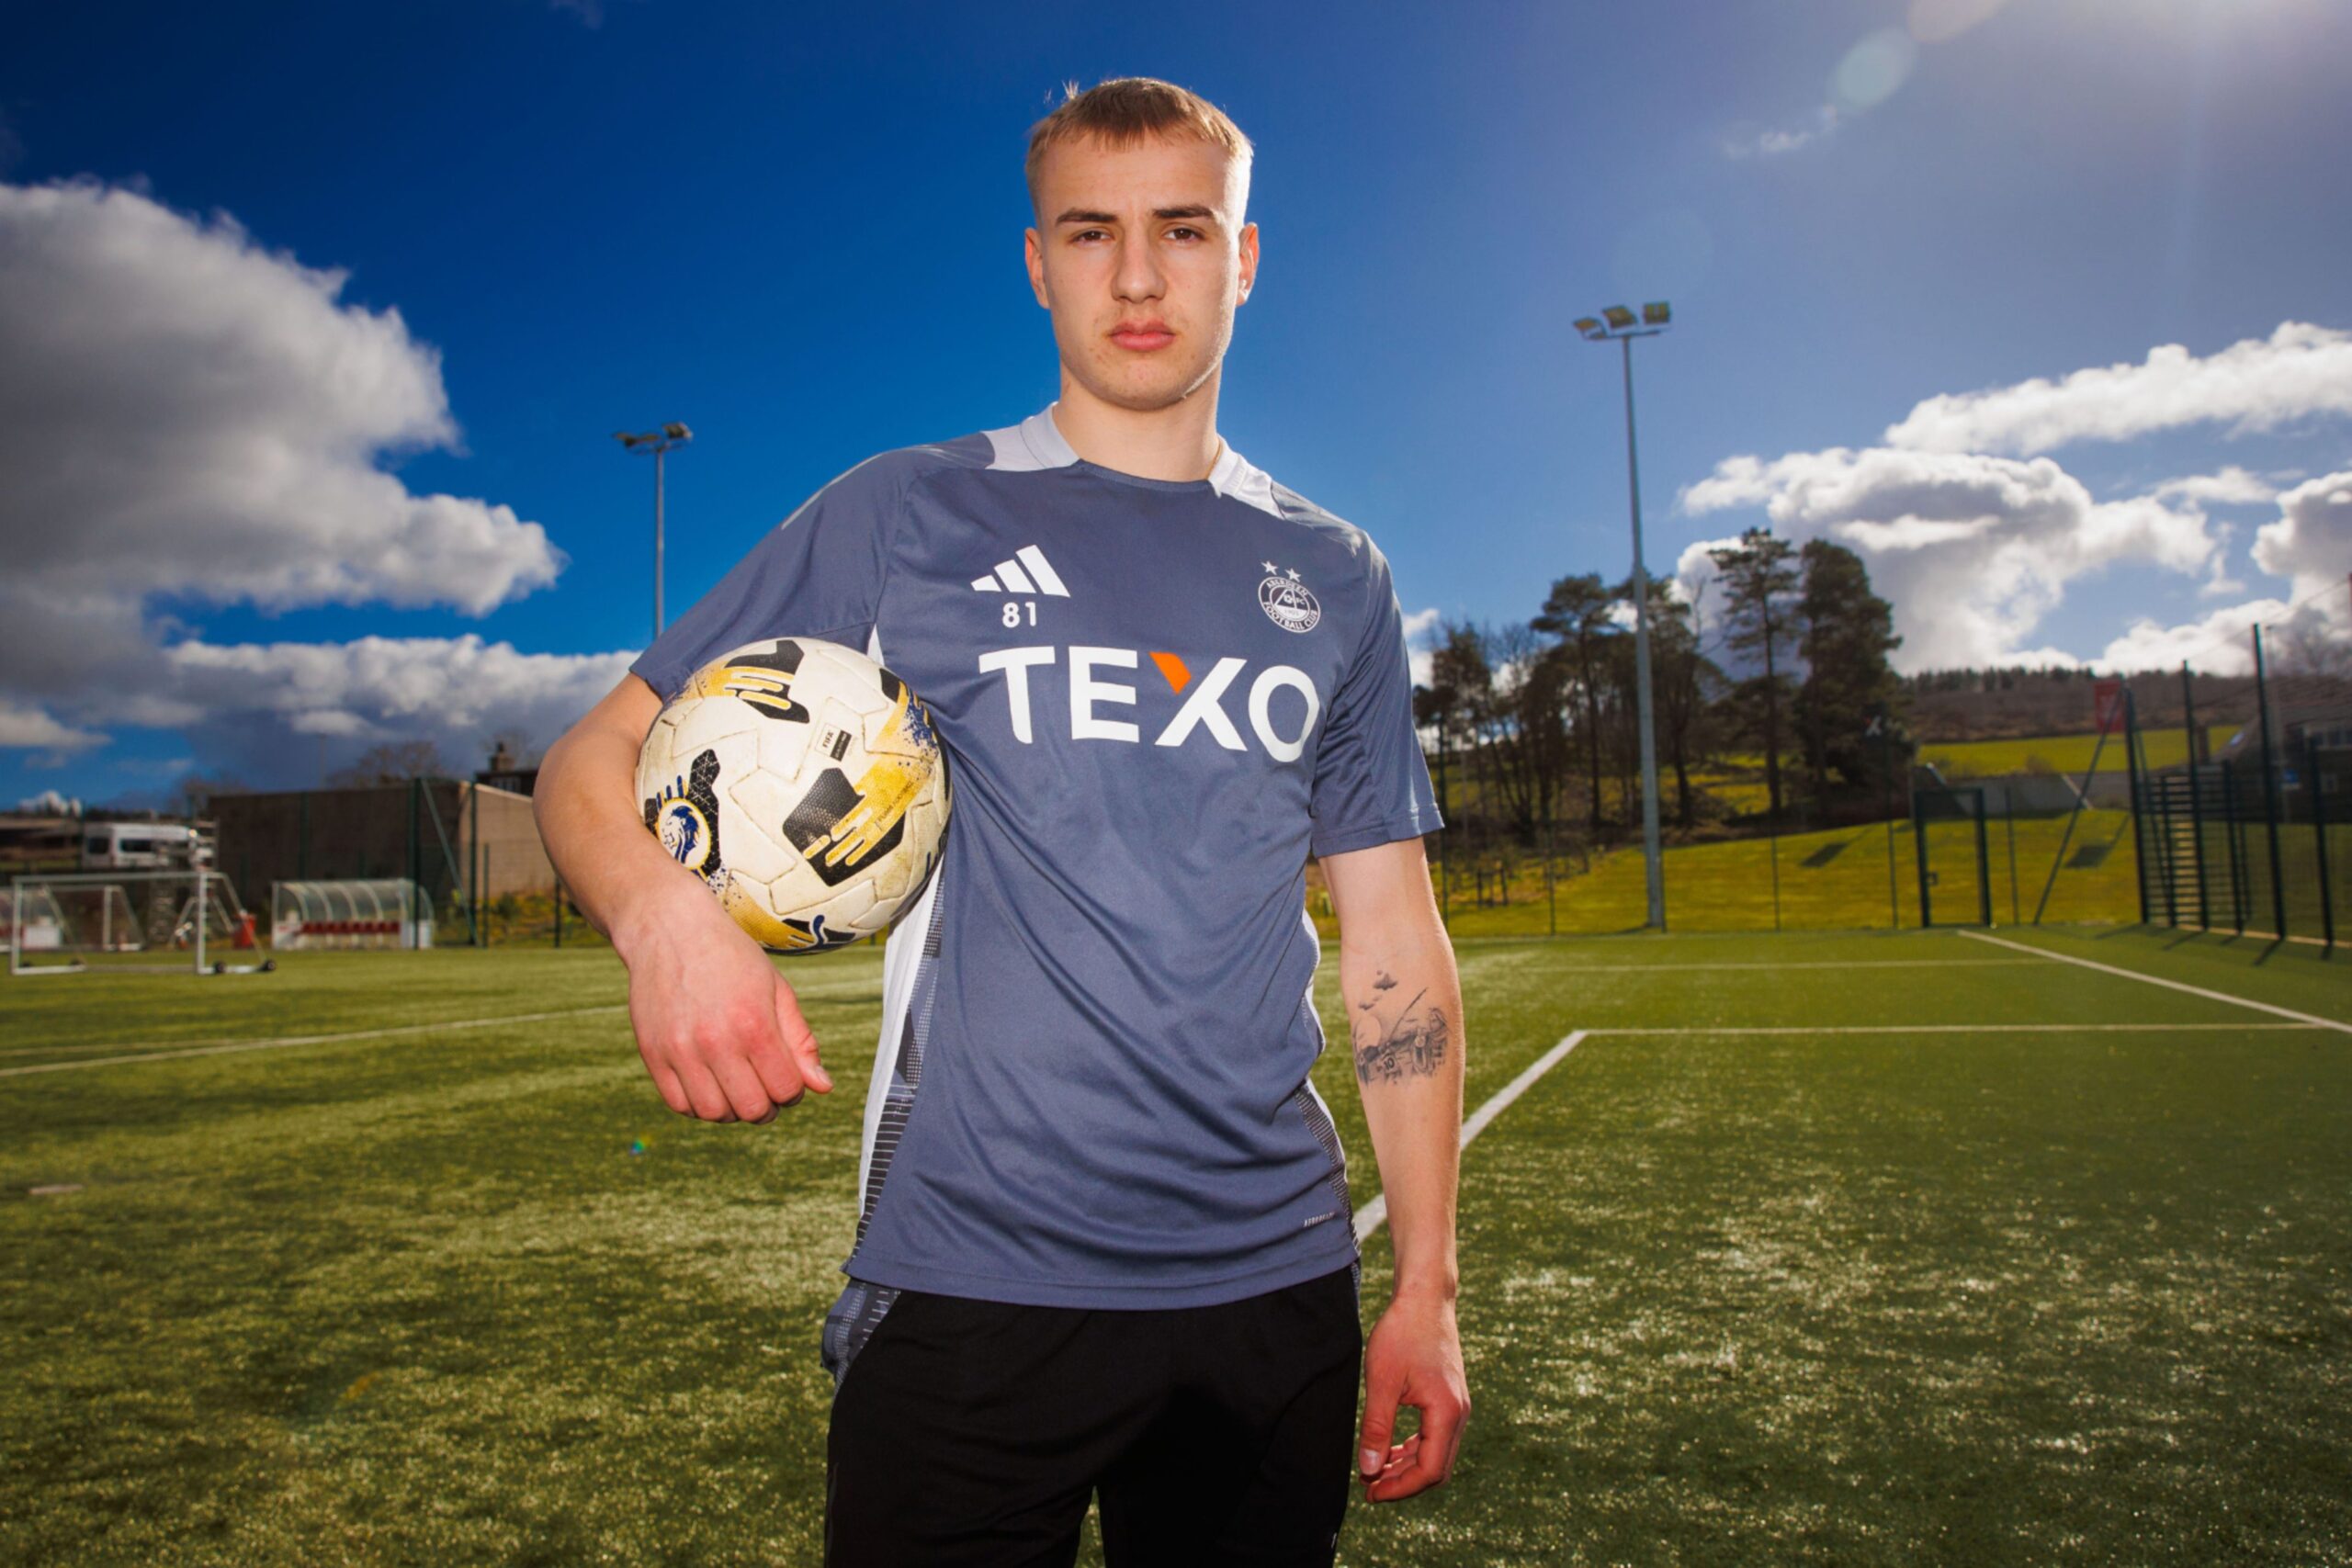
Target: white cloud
[
  {"x": 2221, "y": 583},
  {"x": 2312, "y": 541},
  {"x": 1418, "y": 627},
  {"x": 457, "y": 692},
  {"x": 1935, "y": 21},
  {"x": 49, "y": 803},
  {"x": 27, "y": 727},
  {"x": 2258, "y": 384},
  {"x": 185, "y": 415},
  {"x": 188, "y": 413},
  {"x": 2231, "y": 487},
  {"x": 1971, "y": 551},
  {"x": 1748, "y": 142},
  {"x": 2220, "y": 644}
]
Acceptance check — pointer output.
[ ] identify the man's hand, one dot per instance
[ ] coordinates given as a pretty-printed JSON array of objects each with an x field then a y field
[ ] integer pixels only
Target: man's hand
[
  {"x": 721, "y": 1031},
  {"x": 1414, "y": 1359}
]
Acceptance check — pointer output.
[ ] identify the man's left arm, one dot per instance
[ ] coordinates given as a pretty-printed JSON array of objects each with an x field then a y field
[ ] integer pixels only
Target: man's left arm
[{"x": 1404, "y": 1002}]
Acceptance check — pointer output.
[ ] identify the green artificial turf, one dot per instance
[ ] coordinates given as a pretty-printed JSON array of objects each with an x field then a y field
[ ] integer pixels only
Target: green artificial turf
[{"x": 2077, "y": 1295}]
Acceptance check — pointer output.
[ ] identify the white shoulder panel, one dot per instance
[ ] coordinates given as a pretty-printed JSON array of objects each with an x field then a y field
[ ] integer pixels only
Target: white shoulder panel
[
  {"x": 1238, "y": 479},
  {"x": 1034, "y": 443}
]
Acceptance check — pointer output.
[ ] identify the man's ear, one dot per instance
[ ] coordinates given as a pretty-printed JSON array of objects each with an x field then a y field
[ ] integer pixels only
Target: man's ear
[
  {"x": 1033, "y": 248},
  {"x": 1249, "y": 261}
]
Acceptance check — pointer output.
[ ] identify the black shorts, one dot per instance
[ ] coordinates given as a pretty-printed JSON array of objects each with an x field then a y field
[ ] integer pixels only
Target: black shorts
[{"x": 970, "y": 1432}]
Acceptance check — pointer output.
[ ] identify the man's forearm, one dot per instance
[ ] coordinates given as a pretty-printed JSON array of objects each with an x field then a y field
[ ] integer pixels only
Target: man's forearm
[
  {"x": 1404, "y": 1002},
  {"x": 616, "y": 871}
]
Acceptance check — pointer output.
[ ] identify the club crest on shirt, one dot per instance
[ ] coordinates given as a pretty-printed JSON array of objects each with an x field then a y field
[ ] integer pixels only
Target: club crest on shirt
[{"x": 1286, "y": 601}]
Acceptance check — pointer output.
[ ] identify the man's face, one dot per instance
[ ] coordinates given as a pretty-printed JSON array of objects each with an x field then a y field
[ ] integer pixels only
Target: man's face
[{"x": 1141, "y": 255}]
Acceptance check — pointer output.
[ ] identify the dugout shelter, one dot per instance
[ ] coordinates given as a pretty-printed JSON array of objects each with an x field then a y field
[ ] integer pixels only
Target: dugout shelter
[{"x": 459, "y": 841}]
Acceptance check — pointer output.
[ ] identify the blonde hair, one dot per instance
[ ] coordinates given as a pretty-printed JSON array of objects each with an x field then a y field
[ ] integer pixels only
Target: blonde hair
[{"x": 1128, "y": 109}]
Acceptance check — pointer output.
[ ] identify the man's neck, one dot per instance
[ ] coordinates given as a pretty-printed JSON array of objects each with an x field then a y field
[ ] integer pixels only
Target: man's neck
[{"x": 1179, "y": 441}]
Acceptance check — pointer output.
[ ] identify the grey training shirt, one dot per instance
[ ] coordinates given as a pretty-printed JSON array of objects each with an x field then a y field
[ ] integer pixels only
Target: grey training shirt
[{"x": 1158, "y": 699}]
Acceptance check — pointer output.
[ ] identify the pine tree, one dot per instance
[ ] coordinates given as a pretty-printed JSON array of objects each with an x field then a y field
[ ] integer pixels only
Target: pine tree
[
  {"x": 1847, "y": 632},
  {"x": 1760, "y": 587},
  {"x": 1576, "y": 612}
]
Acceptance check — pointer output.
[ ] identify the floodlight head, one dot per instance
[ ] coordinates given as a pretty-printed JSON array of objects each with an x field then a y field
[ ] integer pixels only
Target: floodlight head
[
  {"x": 1656, "y": 313},
  {"x": 1590, "y": 326},
  {"x": 1619, "y": 317},
  {"x": 677, "y": 431}
]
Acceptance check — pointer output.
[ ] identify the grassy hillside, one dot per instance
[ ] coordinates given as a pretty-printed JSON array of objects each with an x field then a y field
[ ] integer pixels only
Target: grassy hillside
[
  {"x": 2066, "y": 753},
  {"x": 1826, "y": 881}
]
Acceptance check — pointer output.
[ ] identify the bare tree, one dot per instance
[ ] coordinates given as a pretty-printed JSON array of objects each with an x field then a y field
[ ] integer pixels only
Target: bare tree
[{"x": 394, "y": 761}]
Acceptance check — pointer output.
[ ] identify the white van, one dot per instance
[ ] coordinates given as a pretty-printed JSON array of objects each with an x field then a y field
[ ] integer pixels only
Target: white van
[{"x": 142, "y": 846}]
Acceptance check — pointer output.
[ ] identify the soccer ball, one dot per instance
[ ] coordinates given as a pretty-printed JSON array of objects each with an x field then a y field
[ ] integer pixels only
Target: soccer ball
[{"x": 804, "y": 783}]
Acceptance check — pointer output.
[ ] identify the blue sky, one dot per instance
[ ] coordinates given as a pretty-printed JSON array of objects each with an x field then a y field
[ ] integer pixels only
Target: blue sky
[{"x": 798, "y": 230}]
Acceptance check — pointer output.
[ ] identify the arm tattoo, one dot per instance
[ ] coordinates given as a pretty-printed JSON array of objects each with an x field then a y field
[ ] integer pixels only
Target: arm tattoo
[{"x": 1412, "y": 1045}]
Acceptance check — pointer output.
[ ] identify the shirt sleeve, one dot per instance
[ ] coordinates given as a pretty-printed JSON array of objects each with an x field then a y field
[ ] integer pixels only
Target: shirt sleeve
[
  {"x": 1372, "y": 786},
  {"x": 818, "y": 574}
]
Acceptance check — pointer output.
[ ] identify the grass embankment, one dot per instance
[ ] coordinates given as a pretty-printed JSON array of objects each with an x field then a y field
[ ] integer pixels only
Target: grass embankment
[
  {"x": 2069, "y": 754},
  {"x": 1826, "y": 881}
]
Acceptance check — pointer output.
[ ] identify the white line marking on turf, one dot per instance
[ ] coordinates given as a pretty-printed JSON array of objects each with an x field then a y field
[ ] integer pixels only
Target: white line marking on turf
[
  {"x": 1810, "y": 964},
  {"x": 1369, "y": 1217},
  {"x": 1958, "y": 1028},
  {"x": 309, "y": 1040},
  {"x": 2168, "y": 984}
]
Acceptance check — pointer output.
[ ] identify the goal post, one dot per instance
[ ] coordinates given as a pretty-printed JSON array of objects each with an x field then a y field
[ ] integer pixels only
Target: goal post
[{"x": 128, "y": 922}]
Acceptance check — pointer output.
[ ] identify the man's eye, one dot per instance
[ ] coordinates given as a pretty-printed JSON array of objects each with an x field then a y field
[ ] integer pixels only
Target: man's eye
[
  {"x": 1185, "y": 233},
  {"x": 1090, "y": 235}
]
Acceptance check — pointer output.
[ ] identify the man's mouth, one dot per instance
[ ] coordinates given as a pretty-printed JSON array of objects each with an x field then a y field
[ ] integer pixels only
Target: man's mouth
[{"x": 1142, "y": 337}]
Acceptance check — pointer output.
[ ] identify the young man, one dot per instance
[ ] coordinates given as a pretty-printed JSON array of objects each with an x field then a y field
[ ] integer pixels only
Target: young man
[{"x": 1104, "y": 1242}]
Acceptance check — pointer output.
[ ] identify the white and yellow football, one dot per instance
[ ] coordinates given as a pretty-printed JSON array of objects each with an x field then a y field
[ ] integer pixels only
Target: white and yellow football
[{"x": 805, "y": 784}]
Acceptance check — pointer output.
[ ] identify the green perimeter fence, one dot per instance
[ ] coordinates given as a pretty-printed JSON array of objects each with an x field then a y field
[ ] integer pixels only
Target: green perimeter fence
[
  {"x": 1981, "y": 854},
  {"x": 2230, "y": 812}
]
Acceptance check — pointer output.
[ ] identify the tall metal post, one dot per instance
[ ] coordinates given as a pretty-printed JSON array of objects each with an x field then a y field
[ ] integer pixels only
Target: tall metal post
[
  {"x": 2131, "y": 772},
  {"x": 2269, "y": 791},
  {"x": 2195, "y": 793},
  {"x": 1654, "y": 863},
  {"x": 2009, "y": 826},
  {"x": 657, "y": 442},
  {"x": 1887, "y": 761},
  {"x": 473, "y": 866},
  {"x": 2235, "y": 838},
  {"x": 2319, "y": 838},
  {"x": 415, "y": 869},
  {"x": 1983, "y": 869}
]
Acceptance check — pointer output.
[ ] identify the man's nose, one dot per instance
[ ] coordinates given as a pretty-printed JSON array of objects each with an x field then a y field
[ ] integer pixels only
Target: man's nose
[{"x": 1138, "y": 277}]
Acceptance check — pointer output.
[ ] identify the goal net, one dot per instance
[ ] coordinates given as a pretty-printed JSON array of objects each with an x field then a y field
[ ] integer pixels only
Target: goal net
[
  {"x": 389, "y": 914},
  {"x": 128, "y": 922}
]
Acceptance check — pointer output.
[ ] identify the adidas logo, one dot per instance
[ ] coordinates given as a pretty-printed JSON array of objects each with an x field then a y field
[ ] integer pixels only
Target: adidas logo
[{"x": 1008, "y": 577}]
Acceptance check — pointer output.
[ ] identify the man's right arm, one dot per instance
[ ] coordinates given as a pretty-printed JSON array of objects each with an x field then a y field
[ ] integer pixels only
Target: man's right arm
[{"x": 720, "y": 1032}]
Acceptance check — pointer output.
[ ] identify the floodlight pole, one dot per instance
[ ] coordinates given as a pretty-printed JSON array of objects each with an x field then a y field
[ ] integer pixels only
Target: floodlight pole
[
  {"x": 659, "y": 443},
  {"x": 1624, "y": 332},
  {"x": 1650, "y": 851}
]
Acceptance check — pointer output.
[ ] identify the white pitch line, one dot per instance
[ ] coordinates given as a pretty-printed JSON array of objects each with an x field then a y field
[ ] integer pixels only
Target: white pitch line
[
  {"x": 1368, "y": 1218},
  {"x": 2168, "y": 984},
  {"x": 1958, "y": 1029},
  {"x": 284, "y": 1041},
  {"x": 1810, "y": 964}
]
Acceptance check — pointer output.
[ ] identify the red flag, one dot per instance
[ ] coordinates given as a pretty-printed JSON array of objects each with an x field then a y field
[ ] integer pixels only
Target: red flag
[{"x": 2106, "y": 700}]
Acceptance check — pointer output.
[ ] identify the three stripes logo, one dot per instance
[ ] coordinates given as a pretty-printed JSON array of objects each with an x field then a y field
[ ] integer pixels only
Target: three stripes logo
[{"x": 1027, "y": 573}]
